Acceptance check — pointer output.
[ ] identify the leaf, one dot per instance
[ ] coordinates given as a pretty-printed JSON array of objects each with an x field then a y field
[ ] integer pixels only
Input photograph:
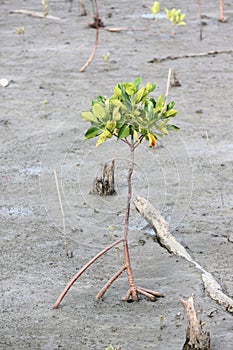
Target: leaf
[
  {"x": 110, "y": 125},
  {"x": 150, "y": 87},
  {"x": 140, "y": 94},
  {"x": 182, "y": 23},
  {"x": 118, "y": 104},
  {"x": 117, "y": 91},
  {"x": 98, "y": 111},
  {"x": 106, "y": 134},
  {"x": 155, "y": 8},
  {"x": 130, "y": 88},
  {"x": 137, "y": 82},
  {"x": 124, "y": 131},
  {"x": 135, "y": 134},
  {"x": 159, "y": 104},
  {"x": 92, "y": 132},
  {"x": 116, "y": 115},
  {"x": 152, "y": 140},
  {"x": 89, "y": 117},
  {"x": 172, "y": 127},
  {"x": 170, "y": 105},
  {"x": 170, "y": 113}
]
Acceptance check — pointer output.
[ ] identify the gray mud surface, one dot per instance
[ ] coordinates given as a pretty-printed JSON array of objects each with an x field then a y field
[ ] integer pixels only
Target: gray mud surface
[{"x": 189, "y": 178}]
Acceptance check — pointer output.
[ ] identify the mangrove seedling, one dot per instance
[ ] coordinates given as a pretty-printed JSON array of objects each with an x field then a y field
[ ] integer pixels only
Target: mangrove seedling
[{"x": 131, "y": 115}]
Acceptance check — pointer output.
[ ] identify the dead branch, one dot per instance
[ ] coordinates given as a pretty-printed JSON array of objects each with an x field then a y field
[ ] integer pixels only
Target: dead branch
[
  {"x": 191, "y": 55},
  {"x": 196, "y": 338},
  {"x": 35, "y": 14},
  {"x": 168, "y": 241},
  {"x": 123, "y": 29},
  {"x": 161, "y": 228}
]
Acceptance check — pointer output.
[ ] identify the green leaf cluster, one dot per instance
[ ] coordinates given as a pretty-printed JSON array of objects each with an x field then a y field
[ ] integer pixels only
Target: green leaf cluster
[
  {"x": 155, "y": 8},
  {"x": 129, "y": 112},
  {"x": 175, "y": 17}
]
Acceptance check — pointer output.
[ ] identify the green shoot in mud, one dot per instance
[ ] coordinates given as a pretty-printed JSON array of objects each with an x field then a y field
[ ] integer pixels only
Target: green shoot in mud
[
  {"x": 174, "y": 16},
  {"x": 131, "y": 115},
  {"x": 110, "y": 347}
]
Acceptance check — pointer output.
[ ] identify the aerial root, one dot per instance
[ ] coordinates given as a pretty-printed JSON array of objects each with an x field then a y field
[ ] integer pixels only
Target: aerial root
[{"x": 133, "y": 292}]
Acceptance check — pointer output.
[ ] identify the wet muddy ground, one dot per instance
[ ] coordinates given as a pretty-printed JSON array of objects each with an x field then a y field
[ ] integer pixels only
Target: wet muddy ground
[{"x": 188, "y": 178}]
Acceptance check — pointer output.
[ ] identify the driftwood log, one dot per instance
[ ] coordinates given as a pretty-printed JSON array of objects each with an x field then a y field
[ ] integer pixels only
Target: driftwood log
[
  {"x": 196, "y": 338},
  {"x": 168, "y": 241},
  {"x": 104, "y": 185}
]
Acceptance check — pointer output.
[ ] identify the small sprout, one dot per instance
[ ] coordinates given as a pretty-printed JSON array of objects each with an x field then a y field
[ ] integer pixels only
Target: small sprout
[
  {"x": 106, "y": 57},
  {"x": 106, "y": 60},
  {"x": 161, "y": 319},
  {"x": 45, "y": 102},
  {"x": 155, "y": 8},
  {"x": 175, "y": 17},
  {"x": 20, "y": 30}
]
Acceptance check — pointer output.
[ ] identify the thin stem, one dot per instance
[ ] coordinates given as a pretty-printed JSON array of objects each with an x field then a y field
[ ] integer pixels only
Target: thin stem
[
  {"x": 168, "y": 82},
  {"x": 84, "y": 67},
  {"x": 221, "y": 19},
  {"x": 83, "y": 269},
  {"x": 129, "y": 194},
  {"x": 133, "y": 288},
  {"x": 200, "y": 17},
  {"x": 62, "y": 213}
]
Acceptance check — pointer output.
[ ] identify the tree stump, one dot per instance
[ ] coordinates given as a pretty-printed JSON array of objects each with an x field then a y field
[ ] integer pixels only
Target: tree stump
[
  {"x": 196, "y": 338},
  {"x": 104, "y": 186}
]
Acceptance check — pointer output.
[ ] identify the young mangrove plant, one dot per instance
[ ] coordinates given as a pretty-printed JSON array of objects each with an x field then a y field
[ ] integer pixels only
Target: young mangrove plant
[
  {"x": 173, "y": 16},
  {"x": 131, "y": 115}
]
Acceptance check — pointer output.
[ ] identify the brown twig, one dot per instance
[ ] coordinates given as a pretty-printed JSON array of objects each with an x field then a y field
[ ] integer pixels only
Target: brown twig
[
  {"x": 62, "y": 212},
  {"x": 96, "y": 17},
  {"x": 221, "y": 19},
  {"x": 126, "y": 29},
  {"x": 200, "y": 18},
  {"x": 190, "y": 55},
  {"x": 35, "y": 14}
]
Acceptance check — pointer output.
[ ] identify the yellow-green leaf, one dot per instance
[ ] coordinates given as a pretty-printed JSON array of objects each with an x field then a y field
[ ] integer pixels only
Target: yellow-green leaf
[
  {"x": 130, "y": 88},
  {"x": 106, "y": 134},
  {"x": 155, "y": 8},
  {"x": 111, "y": 125},
  {"x": 98, "y": 111},
  {"x": 89, "y": 117},
  {"x": 140, "y": 94},
  {"x": 117, "y": 92},
  {"x": 116, "y": 115}
]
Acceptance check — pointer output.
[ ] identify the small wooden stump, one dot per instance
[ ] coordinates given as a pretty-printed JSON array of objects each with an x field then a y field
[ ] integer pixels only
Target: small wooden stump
[
  {"x": 196, "y": 338},
  {"x": 104, "y": 186}
]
